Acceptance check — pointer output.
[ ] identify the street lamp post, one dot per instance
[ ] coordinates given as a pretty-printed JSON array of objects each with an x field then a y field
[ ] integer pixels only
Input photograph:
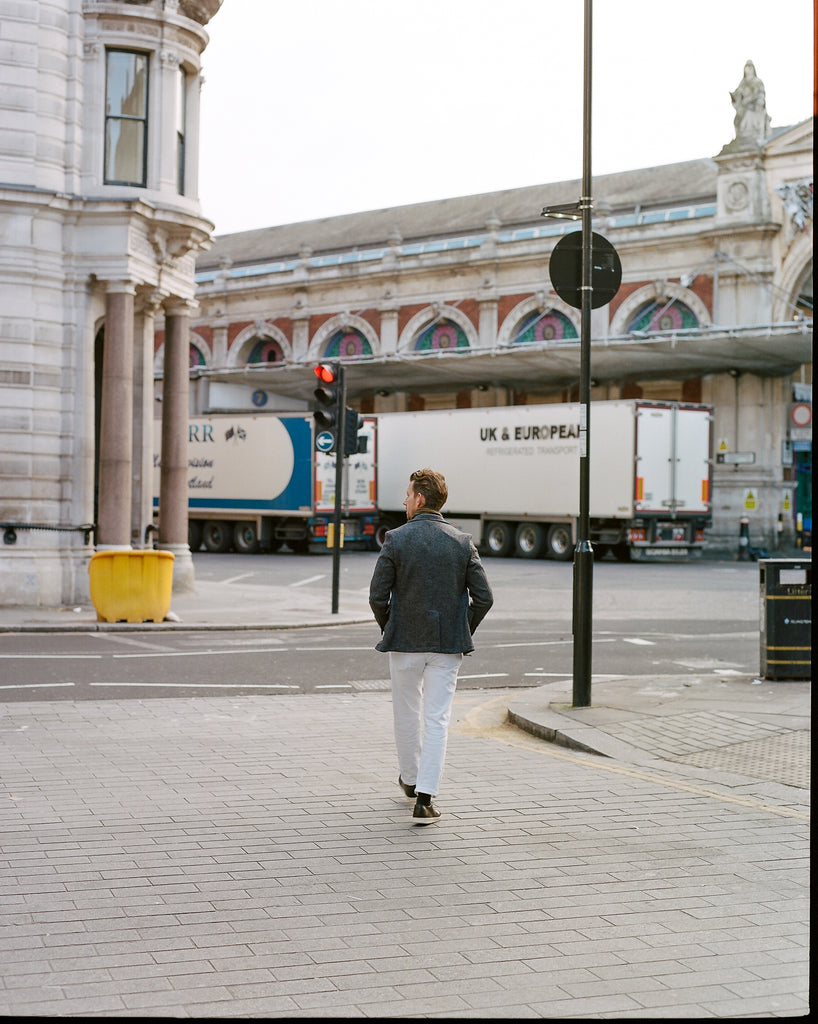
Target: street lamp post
[
  {"x": 584, "y": 552},
  {"x": 584, "y": 286}
]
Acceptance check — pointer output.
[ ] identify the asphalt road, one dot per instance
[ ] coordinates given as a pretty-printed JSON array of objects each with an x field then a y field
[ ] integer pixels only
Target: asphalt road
[{"x": 697, "y": 618}]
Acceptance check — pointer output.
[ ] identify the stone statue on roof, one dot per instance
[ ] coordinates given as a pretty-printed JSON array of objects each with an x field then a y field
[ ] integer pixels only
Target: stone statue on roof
[{"x": 751, "y": 121}]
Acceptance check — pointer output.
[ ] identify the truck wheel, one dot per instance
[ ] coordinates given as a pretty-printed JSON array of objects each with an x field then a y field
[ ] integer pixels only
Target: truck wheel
[
  {"x": 560, "y": 542},
  {"x": 529, "y": 540},
  {"x": 499, "y": 539},
  {"x": 194, "y": 534},
  {"x": 245, "y": 538},
  {"x": 622, "y": 553},
  {"x": 381, "y": 531},
  {"x": 217, "y": 536}
]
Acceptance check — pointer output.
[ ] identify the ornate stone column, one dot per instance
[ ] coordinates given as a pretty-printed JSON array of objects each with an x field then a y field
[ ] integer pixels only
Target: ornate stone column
[
  {"x": 142, "y": 487},
  {"x": 116, "y": 419},
  {"x": 173, "y": 472}
]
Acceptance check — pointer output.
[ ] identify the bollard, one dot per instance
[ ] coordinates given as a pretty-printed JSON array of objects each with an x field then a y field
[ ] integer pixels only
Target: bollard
[{"x": 744, "y": 540}]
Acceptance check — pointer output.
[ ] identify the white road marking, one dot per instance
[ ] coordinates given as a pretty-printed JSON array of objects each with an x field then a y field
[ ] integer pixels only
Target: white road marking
[
  {"x": 309, "y": 579},
  {"x": 197, "y": 654},
  {"x": 45, "y": 657},
  {"x": 318, "y": 650},
  {"x": 207, "y": 686},
  {"x": 553, "y": 643},
  {"x": 486, "y": 675},
  {"x": 235, "y": 579},
  {"x": 32, "y": 686}
]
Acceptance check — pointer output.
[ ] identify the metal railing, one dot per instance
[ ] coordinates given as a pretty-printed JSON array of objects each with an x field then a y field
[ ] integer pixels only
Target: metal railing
[{"x": 10, "y": 530}]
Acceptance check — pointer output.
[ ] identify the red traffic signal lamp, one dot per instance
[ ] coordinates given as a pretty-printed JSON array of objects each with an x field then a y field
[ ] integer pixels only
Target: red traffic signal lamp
[
  {"x": 327, "y": 373},
  {"x": 330, "y": 397}
]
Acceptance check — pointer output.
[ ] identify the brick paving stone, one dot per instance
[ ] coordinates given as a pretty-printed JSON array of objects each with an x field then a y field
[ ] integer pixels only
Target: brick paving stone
[{"x": 194, "y": 858}]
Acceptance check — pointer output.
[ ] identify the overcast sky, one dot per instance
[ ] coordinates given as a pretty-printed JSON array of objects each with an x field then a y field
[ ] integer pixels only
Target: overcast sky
[{"x": 314, "y": 108}]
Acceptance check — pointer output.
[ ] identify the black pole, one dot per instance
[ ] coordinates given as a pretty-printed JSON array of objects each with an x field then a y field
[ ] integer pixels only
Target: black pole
[
  {"x": 340, "y": 445},
  {"x": 584, "y": 552}
]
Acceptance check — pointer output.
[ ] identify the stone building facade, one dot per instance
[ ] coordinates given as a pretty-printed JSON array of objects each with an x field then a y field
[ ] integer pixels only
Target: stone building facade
[
  {"x": 101, "y": 225},
  {"x": 450, "y": 304},
  {"x": 447, "y": 304}
]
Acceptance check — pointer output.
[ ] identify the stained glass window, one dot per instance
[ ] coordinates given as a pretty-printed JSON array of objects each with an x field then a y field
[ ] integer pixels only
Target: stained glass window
[
  {"x": 659, "y": 316},
  {"x": 345, "y": 344},
  {"x": 265, "y": 350},
  {"x": 551, "y": 326},
  {"x": 441, "y": 334}
]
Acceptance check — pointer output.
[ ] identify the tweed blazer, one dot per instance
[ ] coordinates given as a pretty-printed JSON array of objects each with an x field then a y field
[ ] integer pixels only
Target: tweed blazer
[{"x": 429, "y": 590}]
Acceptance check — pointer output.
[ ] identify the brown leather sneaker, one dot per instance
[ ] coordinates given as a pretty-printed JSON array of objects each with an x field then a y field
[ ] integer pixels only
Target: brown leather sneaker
[{"x": 425, "y": 814}]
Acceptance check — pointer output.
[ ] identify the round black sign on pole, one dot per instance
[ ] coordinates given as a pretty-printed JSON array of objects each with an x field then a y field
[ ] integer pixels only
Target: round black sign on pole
[{"x": 566, "y": 270}]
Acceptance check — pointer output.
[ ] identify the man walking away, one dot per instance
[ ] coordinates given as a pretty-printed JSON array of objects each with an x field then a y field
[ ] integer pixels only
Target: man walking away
[{"x": 428, "y": 593}]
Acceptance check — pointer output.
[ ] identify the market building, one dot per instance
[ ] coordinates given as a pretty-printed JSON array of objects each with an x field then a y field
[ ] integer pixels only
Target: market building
[
  {"x": 121, "y": 315},
  {"x": 449, "y": 304}
]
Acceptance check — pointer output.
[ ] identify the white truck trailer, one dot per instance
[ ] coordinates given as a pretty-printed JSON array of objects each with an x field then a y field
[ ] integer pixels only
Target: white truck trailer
[
  {"x": 513, "y": 475},
  {"x": 257, "y": 482}
]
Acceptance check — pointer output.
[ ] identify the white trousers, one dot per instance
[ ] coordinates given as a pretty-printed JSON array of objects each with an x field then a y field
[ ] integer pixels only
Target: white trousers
[{"x": 423, "y": 687}]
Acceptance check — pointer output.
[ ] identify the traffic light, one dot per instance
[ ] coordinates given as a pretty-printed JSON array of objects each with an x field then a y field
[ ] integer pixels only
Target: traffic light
[
  {"x": 330, "y": 398},
  {"x": 353, "y": 442}
]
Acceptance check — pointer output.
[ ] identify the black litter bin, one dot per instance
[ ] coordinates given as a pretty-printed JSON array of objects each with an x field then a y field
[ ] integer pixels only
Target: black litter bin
[{"x": 786, "y": 617}]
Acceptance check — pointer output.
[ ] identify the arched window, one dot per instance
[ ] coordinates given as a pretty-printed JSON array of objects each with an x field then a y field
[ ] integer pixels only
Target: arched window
[
  {"x": 441, "y": 334},
  {"x": 265, "y": 350},
  {"x": 804, "y": 293},
  {"x": 348, "y": 343},
  {"x": 661, "y": 316},
  {"x": 196, "y": 356},
  {"x": 550, "y": 326}
]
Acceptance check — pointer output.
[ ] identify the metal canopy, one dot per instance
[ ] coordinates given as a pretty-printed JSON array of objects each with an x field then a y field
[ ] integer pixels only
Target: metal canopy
[{"x": 774, "y": 350}]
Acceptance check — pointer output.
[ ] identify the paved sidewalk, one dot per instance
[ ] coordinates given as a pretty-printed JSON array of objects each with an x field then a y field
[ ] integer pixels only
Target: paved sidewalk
[
  {"x": 211, "y": 605},
  {"x": 253, "y": 857}
]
